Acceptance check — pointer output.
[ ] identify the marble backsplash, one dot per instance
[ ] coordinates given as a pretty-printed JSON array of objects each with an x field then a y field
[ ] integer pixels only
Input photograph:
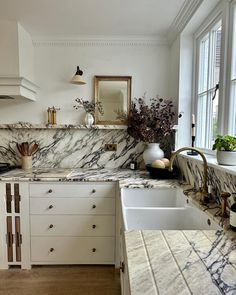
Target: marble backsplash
[
  {"x": 71, "y": 148},
  {"x": 220, "y": 180}
]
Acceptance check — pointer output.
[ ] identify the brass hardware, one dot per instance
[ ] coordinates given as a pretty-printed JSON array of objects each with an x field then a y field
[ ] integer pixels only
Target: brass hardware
[
  {"x": 204, "y": 192},
  {"x": 51, "y": 226},
  {"x": 50, "y": 191},
  {"x": 94, "y": 226},
  {"x": 224, "y": 196},
  {"x": 8, "y": 197},
  {"x": 94, "y": 206},
  {"x": 93, "y": 191},
  {"x": 50, "y": 207},
  {"x": 17, "y": 197},
  {"x": 94, "y": 249},
  {"x": 111, "y": 147},
  {"x": 52, "y": 115},
  {"x": 122, "y": 266},
  {"x": 51, "y": 249}
]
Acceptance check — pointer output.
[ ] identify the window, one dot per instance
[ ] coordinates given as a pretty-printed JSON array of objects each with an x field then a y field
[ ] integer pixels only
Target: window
[
  {"x": 232, "y": 113},
  {"x": 207, "y": 84}
]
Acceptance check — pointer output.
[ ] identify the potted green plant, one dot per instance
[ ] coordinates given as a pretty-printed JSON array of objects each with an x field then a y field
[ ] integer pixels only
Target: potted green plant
[{"x": 225, "y": 145}]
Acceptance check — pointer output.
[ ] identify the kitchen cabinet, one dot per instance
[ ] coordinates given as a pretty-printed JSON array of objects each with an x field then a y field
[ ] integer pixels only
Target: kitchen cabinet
[
  {"x": 14, "y": 225},
  {"x": 58, "y": 223},
  {"x": 72, "y": 223}
]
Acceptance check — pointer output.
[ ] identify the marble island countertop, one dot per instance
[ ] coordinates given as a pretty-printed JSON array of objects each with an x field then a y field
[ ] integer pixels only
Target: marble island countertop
[{"x": 181, "y": 262}]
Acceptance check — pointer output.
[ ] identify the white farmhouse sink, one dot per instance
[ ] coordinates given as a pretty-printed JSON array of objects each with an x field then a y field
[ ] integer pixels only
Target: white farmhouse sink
[
  {"x": 162, "y": 208},
  {"x": 187, "y": 218},
  {"x": 154, "y": 197}
]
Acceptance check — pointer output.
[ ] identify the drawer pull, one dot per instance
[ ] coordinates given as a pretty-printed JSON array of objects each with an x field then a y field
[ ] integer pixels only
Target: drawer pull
[
  {"x": 52, "y": 249},
  {"x": 94, "y": 249},
  {"x": 94, "y": 226},
  {"x": 51, "y": 226},
  {"x": 50, "y": 191},
  {"x": 93, "y": 191},
  {"x": 94, "y": 206},
  {"x": 50, "y": 207}
]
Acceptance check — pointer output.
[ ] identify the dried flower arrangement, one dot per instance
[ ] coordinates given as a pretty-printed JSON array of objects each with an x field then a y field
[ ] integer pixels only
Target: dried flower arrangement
[
  {"x": 88, "y": 106},
  {"x": 151, "y": 123}
]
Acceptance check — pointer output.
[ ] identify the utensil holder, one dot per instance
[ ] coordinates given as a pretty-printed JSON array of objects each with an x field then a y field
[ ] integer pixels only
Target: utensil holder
[{"x": 26, "y": 162}]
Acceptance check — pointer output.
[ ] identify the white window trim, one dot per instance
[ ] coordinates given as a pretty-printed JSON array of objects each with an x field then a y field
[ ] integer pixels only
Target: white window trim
[{"x": 219, "y": 13}]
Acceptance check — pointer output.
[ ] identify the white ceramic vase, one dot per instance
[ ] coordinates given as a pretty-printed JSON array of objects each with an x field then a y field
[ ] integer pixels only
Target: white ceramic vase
[
  {"x": 89, "y": 119},
  {"x": 226, "y": 158},
  {"x": 152, "y": 152}
]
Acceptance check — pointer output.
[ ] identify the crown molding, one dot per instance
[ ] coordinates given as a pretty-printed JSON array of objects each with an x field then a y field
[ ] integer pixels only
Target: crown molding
[
  {"x": 183, "y": 17},
  {"x": 95, "y": 41}
]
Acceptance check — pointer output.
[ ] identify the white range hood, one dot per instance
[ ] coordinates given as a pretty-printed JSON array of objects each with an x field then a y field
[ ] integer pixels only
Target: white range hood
[{"x": 17, "y": 62}]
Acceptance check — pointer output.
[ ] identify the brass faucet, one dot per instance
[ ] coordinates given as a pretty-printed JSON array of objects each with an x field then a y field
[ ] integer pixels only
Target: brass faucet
[{"x": 204, "y": 192}]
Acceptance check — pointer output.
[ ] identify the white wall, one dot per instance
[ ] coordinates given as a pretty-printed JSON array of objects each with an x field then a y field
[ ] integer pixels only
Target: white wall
[{"x": 56, "y": 64}]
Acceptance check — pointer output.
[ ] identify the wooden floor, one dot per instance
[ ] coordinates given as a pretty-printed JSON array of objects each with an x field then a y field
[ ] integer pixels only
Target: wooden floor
[{"x": 60, "y": 280}]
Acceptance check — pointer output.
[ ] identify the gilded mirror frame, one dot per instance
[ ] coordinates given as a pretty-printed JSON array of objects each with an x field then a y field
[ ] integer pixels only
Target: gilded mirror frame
[{"x": 97, "y": 80}]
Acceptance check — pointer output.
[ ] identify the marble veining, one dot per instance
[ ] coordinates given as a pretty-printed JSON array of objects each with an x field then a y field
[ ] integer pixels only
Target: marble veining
[
  {"x": 72, "y": 146},
  {"x": 181, "y": 262},
  {"x": 221, "y": 181}
]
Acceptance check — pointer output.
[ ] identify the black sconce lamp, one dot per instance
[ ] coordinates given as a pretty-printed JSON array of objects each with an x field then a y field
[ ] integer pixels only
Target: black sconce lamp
[{"x": 77, "y": 78}]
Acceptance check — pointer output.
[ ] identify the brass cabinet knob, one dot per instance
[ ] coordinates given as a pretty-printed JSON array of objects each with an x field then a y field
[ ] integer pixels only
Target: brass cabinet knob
[
  {"x": 52, "y": 249},
  {"x": 94, "y": 206},
  {"x": 50, "y": 191},
  {"x": 50, "y": 207},
  {"x": 122, "y": 266},
  {"x": 51, "y": 226},
  {"x": 94, "y": 249},
  {"x": 93, "y": 191},
  {"x": 94, "y": 226}
]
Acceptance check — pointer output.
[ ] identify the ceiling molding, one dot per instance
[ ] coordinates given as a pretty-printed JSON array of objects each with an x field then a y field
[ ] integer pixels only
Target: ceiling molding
[
  {"x": 183, "y": 17},
  {"x": 98, "y": 42}
]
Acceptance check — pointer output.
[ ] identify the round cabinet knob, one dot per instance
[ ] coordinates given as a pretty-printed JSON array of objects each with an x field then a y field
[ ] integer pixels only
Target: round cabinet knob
[
  {"x": 51, "y": 249},
  {"x": 93, "y": 191},
  {"x": 50, "y": 191},
  {"x": 94, "y": 206},
  {"x": 94, "y": 249},
  {"x": 94, "y": 226},
  {"x": 50, "y": 207},
  {"x": 51, "y": 226}
]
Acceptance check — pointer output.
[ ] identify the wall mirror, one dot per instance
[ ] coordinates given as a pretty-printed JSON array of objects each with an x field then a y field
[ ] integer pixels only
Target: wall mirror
[{"x": 113, "y": 93}]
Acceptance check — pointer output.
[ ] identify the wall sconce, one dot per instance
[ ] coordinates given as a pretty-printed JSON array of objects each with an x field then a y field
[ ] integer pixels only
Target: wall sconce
[{"x": 77, "y": 79}]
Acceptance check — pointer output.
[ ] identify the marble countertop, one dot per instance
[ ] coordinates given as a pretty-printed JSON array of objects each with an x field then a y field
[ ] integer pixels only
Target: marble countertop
[
  {"x": 181, "y": 262},
  {"x": 162, "y": 262},
  {"x": 126, "y": 177}
]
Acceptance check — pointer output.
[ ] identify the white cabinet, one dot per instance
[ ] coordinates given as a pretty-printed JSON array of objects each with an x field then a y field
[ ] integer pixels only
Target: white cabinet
[
  {"x": 14, "y": 225},
  {"x": 72, "y": 223}
]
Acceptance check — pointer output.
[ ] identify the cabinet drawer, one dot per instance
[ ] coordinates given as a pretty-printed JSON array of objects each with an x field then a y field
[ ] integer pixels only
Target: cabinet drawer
[
  {"x": 72, "y": 250},
  {"x": 91, "y": 206},
  {"x": 72, "y": 225},
  {"x": 81, "y": 190}
]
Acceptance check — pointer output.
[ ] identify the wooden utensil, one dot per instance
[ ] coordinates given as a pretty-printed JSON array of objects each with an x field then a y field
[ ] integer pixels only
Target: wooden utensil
[{"x": 34, "y": 149}]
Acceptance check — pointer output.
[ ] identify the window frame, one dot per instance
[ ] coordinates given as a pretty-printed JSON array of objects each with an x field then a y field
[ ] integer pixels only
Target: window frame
[{"x": 218, "y": 14}]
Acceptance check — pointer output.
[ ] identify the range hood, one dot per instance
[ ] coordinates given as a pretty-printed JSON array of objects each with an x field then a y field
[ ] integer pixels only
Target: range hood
[{"x": 17, "y": 62}]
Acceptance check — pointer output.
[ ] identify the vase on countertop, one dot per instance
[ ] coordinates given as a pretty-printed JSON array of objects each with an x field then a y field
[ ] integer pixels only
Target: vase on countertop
[
  {"x": 152, "y": 152},
  {"x": 89, "y": 119}
]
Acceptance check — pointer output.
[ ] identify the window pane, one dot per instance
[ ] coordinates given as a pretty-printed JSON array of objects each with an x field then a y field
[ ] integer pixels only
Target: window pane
[
  {"x": 232, "y": 113},
  {"x": 203, "y": 64},
  {"x": 201, "y": 120},
  {"x": 208, "y": 96}
]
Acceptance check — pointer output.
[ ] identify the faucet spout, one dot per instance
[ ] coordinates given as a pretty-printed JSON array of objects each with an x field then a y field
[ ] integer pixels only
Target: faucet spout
[{"x": 205, "y": 171}]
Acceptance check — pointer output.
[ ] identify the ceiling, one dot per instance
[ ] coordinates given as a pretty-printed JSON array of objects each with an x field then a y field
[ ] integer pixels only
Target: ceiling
[{"x": 93, "y": 17}]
